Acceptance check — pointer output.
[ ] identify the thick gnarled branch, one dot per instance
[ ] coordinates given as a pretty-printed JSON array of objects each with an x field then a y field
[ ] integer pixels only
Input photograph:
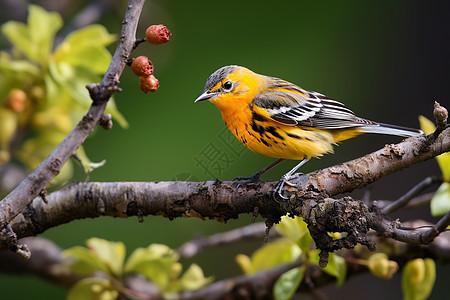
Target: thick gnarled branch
[{"x": 223, "y": 200}]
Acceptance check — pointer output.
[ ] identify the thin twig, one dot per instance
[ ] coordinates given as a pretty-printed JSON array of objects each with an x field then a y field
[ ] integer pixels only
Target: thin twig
[
  {"x": 415, "y": 202},
  {"x": 403, "y": 200},
  {"x": 439, "y": 227},
  {"x": 193, "y": 247}
]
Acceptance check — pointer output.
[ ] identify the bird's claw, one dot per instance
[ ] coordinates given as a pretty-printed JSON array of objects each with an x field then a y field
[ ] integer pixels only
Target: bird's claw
[
  {"x": 279, "y": 190},
  {"x": 245, "y": 180},
  {"x": 284, "y": 180}
]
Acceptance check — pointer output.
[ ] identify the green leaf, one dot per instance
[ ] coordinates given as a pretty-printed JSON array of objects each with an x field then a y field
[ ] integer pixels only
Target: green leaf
[
  {"x": 42, "y": 27},
  {"x": 296, "y": 230},
  {"x": 418, "y": 279},
  {"x": 112, "y": 254},
  {"x": 281, "y": 251},
  {"x": 157, "y": 262},
  {"x": 85, "y": 261},
  {"x": 88, "y": 165},
  {"x": 193, "y": 279},
  {"x": 92, "y": 288},
  {"x": 65, "y": 78},
  {"x": 292, "y": 228},
  {"x": 15, "y": 74},
  {"x": 336, "y": 266},
  {"x": 91, "y": 57},
  {"x": 86, "y": 48},
  {"x": 35, "y": 39},
  {"x": 426, "y": 125},
  {"x": 92, "y": 34},
  {"x": 18, "y": 35},
  {"x": 288, "y": 283},
  {"x": 440, "y": 203}
]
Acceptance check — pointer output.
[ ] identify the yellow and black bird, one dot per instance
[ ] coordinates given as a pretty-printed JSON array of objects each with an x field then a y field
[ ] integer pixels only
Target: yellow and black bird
[{"x": 279, "y": 119}]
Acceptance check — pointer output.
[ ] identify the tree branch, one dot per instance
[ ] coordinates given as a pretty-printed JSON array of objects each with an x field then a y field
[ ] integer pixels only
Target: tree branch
[
  {"x": 223, "y": 200},
  {"x": 28, "y": 189}
]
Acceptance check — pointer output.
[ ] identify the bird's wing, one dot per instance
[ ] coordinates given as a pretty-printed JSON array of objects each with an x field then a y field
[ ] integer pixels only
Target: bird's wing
[{"x": 291, "y": 105}]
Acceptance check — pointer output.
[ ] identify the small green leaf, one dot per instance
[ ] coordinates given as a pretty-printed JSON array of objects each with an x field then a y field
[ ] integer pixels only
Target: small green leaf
[
  {"x": 18, "y": 35},
  {"x": 112, "y": 254},
  {"x": 281, "y": 251},
  {"x": 245, "y": 263},
  {"x": 42, "y": 27},
  {"x": 92, "y": 34},
  {"x": 292, "y": 228},
  {"x": 35, "y": 39},
  {"x": 336, "y": 266},
  {"x": 92, "y": 288},
  {"x": 418, "y": 279},
  {"x": 88, "y": 165},
  {"x": 157, "y": 262},
  {"x": 297, "y": 231},
  {"x": 426, "y": 125},
  {"x": 440, "y": 203},
  {"x": 86, "y": 48},
  {"x": 95, "y": 58},
  {"x": 288, "y": 283},
  {"x": 193, "y": 279},
  {"x": 85, "y": 261}
]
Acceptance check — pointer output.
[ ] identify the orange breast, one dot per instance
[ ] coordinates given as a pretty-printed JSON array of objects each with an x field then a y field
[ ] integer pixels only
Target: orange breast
[{"x": 268, "y": 137}]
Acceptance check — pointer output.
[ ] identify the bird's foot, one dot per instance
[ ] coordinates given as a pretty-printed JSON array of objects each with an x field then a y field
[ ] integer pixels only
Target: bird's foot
[
  {"x": 245, "y": 180},
  {"x": 278, "y": 191}
]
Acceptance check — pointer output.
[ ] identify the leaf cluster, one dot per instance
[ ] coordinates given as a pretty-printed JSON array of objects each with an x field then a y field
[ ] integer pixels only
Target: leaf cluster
[
  {"x": 158, "y": 263},
  {"x": 50, "y": 81}
]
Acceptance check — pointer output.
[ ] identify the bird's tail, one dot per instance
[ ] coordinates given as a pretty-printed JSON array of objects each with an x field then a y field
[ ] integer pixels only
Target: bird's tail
[{"x": 391, "y": 130}]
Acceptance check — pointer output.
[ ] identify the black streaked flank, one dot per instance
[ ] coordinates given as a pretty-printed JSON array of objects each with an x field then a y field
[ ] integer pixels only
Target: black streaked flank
[
  {"x": 257, "y": 128},
  {"x": 265, "y": 142},
  {"x": 298, "y": 137},
  {"x": 293, "y": 136},
  {"x": 258, "y": 117},
  {"x": 272, "y": 130}
]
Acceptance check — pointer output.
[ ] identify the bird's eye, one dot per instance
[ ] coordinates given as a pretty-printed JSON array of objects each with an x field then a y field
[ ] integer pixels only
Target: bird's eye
[{"x": 228, "y": 85}]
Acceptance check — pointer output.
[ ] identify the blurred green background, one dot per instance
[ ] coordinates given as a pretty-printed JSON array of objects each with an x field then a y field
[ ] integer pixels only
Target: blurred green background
[{"x": 387, "y": 60}]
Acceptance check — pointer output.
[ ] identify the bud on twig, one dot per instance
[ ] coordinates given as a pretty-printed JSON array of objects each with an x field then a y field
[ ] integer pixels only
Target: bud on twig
[
  {"x": 157, "y": 34},
  {"x": 148, "y": 83},
  {"x": 142, "y": 66}
]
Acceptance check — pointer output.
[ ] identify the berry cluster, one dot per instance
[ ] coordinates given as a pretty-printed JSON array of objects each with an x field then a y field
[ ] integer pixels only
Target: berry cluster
[{"x": 142, "y": 66}]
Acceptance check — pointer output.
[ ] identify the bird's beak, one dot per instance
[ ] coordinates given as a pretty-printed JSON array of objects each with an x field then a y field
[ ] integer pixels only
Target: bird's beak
[{"x": 206, "y": 95}]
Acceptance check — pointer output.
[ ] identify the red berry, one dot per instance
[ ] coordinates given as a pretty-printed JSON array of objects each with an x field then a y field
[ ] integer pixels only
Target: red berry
[
  {"x": 157, "y": 34},
  {"x": 142, "y": 66},
  {"x": 148, "y": 83}
]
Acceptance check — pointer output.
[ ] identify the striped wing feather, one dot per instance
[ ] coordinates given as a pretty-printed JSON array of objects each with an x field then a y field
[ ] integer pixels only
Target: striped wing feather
[{"x": 288, "y": 104}]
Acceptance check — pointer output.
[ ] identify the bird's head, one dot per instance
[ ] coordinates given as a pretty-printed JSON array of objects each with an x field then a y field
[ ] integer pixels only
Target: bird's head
[{"x": 231, "y": 86}]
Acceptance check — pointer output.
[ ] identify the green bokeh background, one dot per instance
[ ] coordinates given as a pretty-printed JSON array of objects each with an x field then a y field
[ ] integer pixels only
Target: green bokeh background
[{"x": 387, "y": 60}]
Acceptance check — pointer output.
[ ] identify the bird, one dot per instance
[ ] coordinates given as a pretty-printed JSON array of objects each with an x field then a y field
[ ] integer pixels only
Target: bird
[{"x": 279, "y": 119}]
